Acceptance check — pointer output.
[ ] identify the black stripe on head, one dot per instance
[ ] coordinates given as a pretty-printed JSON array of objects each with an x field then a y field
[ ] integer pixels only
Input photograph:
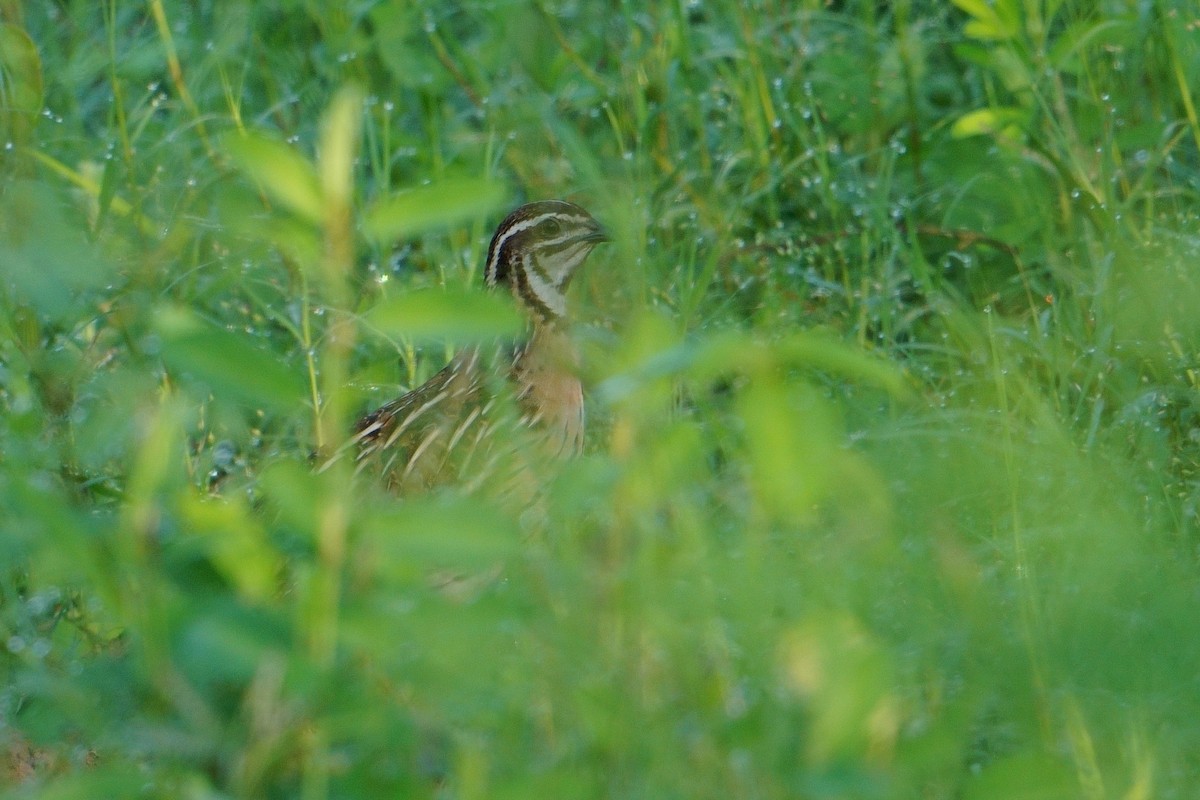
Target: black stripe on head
[{"x": 530, "y": 296}]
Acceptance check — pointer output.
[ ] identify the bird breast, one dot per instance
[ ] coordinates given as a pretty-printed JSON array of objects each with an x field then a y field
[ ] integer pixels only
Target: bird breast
[{"x": 549, "y": 391}]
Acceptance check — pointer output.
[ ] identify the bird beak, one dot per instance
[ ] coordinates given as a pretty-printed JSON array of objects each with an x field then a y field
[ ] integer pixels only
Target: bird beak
[{"x": 596, "y": 236}]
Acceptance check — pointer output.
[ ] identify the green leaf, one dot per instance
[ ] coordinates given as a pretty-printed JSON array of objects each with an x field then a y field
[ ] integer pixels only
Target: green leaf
[
  {"x": 241, "y": 212},
  {"x": 843, "y": 676},
  {"x": 439, "y": 205},
  {"x": 285, "y": 175},
  {"x": 991, "y": 19},
  {"x": 20, "y": 85},
  {"x": 816, "y": 348},
  {"x": 1064, "y": 54},
  {"x": 117, "y": 779},
  {"x": 45, "y": 259},
  {"x": 1005, "y": 121},
  {"x": 229, "y": 363},
  {"x": 1026, "y": 775},
  {"x": 294, "y": 491},
  {"x": 226, "y": 642},
  {"x": 792, "y": 441},
  {"x": 441, "y": 532},
  {"x": 235, "y": 542},
  {"x": 341, "y": 130},
  {"x": 456, "y": 316},
  {"x": 822, "y": 351}
]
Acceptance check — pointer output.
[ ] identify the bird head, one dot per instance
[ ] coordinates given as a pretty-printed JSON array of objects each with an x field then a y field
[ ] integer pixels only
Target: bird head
[{"x": 537, "y": 249}]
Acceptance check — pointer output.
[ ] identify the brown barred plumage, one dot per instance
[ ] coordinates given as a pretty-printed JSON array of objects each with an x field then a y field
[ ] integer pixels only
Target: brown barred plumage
[{"x": 442, "y": 430}]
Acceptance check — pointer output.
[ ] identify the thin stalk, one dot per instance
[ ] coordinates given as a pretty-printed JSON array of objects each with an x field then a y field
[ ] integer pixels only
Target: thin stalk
[{"x": 176, "y": 71}]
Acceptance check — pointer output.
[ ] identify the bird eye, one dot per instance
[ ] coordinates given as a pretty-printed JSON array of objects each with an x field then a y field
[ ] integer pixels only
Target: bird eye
[{"x": 551, "y": 226}]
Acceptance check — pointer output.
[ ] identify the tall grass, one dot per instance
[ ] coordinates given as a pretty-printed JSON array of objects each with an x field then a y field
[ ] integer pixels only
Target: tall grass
[{"x": 891, "y": 480}]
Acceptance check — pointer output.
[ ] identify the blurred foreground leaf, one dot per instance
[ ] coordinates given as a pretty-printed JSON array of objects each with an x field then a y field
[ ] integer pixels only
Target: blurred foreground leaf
[
  {"x": 235, "y": 542},
  {"x": 842, "y": 675},
  {"x": 294, "y": 492},
  {"x": 820, "y": 350},
  {"x": 458, "y": 532},
  {"x": 280, "y": 170},
  {"x": 1025, "y": 776},
  {"x": 105, "y": 780},
  {"x": 223, "y": 641},
  {"x": 229, "y": 364},
  {"x": 45, "y": 261},
  {"x": 1004, "y": 122},
  {"x": 452, "y": 315},
  {"x": 991, "y": 19},
  {"x": 439, "y": 205},
  {"x": 735, "y": 353},
  {"x": 20, "y": 85},
  {"x": 341, "y": 128}
]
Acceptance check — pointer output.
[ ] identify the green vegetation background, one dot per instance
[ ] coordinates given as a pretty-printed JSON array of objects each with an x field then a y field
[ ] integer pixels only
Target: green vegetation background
[{"x": 891, "y": 483}]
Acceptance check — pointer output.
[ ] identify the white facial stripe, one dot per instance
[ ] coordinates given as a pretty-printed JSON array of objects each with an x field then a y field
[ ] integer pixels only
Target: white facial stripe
[
  {"x": 493, "y": 264},
  {"x": 568, "y": 235},
  {"x": 533, "y": 222},
  {"x": 489, "y": 272},
  {"x": 546, "y": 292},
  {"x": 568, "y": 220}
]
